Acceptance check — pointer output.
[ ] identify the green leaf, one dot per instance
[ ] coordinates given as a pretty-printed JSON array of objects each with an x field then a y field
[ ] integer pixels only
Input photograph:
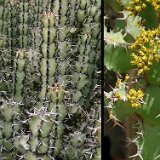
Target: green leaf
[
  {"x": 122, "y": 110},
  {"x": 150, "y": 110},
  {"x": 133, "y": 26},
  {"x": 125, "y": 2},
  {"x": 117, "y": 59},
  {"x": 153, "y": 75},
  {"x": 116, "y": 6},
  {"x": 151, "y": 147},
  {"x": 150, "y": 17}
]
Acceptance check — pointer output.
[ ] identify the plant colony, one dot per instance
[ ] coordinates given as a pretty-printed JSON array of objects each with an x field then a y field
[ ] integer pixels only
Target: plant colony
[{"x": 49, "y": 59}]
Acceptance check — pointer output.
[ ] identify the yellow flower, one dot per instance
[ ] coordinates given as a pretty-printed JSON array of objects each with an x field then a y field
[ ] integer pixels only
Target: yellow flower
[
  {"x": 136, "y": 6},
  {"x": 118, "y": 82},
  {"x": 126, "y": 78},
  {"x": 111, "y": 114},
  {"x": 135, "y": 97},
  {"x": 146, "y": 49},
  {"x": 117, "y": 95},
  {"x": 135, "y": 105}
]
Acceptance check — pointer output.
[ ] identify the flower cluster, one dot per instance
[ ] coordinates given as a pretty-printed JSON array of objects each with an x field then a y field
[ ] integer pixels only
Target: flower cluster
[
  {"x": 117, "y": 95},
  {"x": 146, "y": 48},
  {"x": 118, "y": 82},
  {"x": 137, "y": 6},
  {"x": 126, "y": 78},
  {"x": 135, "y": 97}
]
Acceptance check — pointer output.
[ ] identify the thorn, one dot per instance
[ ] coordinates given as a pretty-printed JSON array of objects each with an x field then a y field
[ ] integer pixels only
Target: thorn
[
  {"x": 44, "y": 119},
  {"x": 157, "y": 157},
  {"x": 138, "y": 154},
  {"x": 141, "y": 133},
  {"x": 109, "y": 106},
  {"x": 158, "y": 116}
]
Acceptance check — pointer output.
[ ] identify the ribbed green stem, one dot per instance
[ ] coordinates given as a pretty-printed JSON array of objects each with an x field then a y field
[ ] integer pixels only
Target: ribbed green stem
[
  {"x": 49, "y": 52},
  {"x": 11, "y": 111}
]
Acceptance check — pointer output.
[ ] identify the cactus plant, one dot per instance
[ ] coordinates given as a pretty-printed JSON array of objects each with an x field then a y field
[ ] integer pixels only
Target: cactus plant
[
  {"x": 132, "y": 52},
  {"x": 49, "y": 60}
]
